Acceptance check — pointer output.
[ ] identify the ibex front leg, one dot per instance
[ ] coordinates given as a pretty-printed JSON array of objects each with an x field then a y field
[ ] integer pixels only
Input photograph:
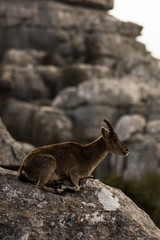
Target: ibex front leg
[{"x": 75, "y": 180}]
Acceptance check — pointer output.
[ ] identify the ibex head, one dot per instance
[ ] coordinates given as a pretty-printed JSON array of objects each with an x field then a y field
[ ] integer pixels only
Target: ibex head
[{"x": 114, "y": 145}]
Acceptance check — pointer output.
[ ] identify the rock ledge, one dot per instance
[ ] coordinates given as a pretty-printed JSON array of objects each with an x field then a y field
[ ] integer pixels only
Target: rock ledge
[{"x": 96, "y": 212}]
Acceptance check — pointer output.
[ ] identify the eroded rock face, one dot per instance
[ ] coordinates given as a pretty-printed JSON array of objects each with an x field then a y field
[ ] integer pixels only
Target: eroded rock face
[
  {"x": 95, "y": 212},
  {"x": 23, "y": 57},
  {"x": 130, "y": 124},
  {"x": 69, "y": 31},
  {"x": 12, "y": 152},
  {"x": 76, "y": 65},
  {"x": 40, "y": 125},
  {"x": 142, "y": 139},
  {"x": 98, "y": 4},
  {"x": 23, "y": 83}
]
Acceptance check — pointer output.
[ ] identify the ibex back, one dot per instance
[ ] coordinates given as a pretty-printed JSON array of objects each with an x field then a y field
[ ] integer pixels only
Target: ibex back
[{"x": 68, "y": 160}]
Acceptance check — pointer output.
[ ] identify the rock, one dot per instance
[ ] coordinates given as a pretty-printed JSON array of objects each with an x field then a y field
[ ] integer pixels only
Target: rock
[
  {"x": 98, "y": 4},
  {"x": 39, "y": 125},
  {"x": 23, "y": 83},
  {"x": 144, "y": 154},
  {"x": 109, "y": 92},
  {"x": 71, "y": 32},
  {"x": 88, "y": 119},
  {"x": 56, "y": 78},
  {"x": 12, "y": 152},
  {"x": 23, "y": 57},
  {"x": 106, "y": 92},
  {"x": 113, "y": 92},
  {"x": 92, "y": 101},
  {"x": 153, "y": 128},
  {"x": 103, "y": 45},
  {"x": 90, "y": 65},
  {"x": 129, "y": 28},
  {"x": 52, "y": 77},
  {"x": 143, "y": 144},
  {"x": 68, "y": 99},
  {"x": 129, "y": 125},
  {"x": 53, "y": 58},
  {"x": 150, "y": 108},
  {"x": 75, "y": 74},
  {"x": 97, "y": 211}
]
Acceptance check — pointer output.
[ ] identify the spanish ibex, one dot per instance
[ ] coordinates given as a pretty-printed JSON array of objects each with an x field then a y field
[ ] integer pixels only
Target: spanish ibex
[{"x": 68, "y": 160}]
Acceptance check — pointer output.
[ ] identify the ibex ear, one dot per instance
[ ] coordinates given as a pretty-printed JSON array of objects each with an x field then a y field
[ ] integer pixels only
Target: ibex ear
[{"x": 103, "y": 132}]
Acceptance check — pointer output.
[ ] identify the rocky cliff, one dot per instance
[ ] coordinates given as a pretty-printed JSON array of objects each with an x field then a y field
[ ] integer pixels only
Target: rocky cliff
[
  {"x": 67, "y": 65},
  {"x": 96, "y": 212}
]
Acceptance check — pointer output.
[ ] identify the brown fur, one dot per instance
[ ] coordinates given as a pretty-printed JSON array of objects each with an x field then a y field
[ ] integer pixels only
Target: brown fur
[{"x": 68, "y": 160}]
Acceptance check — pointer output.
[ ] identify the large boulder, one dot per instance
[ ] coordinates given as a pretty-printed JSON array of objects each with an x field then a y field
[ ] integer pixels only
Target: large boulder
[
  {"x": 130, "y": 124},
  {"x": 108, "y": 91},
  {"x": 75, "y": 33},
  {"x": 88, "y": 119},
  {"x": 92, "y": 101},
  {"x": 12, "y": 152},
  {"x": 98, "y": 4},
  {"x": 153, "y": 128},
  {"x": 57, "y": 78},
  {"x": 95, "y": 212},
  {"x": 113, "y": 92},
  {"x": 23, "y": 57},
  {"x": 22, "y": 82},
  {"x": 142, "y": 139},
  {"x": 39, "y": 125}
]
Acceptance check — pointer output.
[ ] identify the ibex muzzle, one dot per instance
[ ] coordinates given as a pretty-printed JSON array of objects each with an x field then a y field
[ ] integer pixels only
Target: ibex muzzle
[{"x": 69, "y": 160}]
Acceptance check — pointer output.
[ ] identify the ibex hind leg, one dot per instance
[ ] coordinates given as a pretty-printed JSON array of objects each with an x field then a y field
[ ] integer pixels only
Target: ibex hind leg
[
  {"x": 43, "y": 180},
  {"x": 46, "y": 174}
]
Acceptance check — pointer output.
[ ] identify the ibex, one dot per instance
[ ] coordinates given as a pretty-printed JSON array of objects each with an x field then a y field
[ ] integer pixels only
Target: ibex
[{"x": 68, "y": 160}]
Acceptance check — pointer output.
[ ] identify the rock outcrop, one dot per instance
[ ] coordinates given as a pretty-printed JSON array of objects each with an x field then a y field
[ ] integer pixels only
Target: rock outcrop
[
  {"x": 144, "y": 144},
  {"x": 39, "y": 125},
  {"x": 12, "y": 152},
  {"x": 70, "y": 64},
  {"x": 95, "y": 212}
]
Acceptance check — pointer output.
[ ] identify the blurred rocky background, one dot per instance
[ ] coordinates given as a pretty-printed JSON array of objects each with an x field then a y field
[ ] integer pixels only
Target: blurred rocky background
[{"x": 67, "y": 65}]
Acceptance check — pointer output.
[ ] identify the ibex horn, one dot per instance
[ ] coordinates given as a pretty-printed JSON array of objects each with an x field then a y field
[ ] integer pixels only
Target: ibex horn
[{"x": 109, "y": 126}]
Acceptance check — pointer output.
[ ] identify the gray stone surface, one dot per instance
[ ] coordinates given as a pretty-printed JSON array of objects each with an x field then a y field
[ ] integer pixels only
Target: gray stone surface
[
  {"x": 23, "y": 57},
  {"x": 52, "y": 27},
  {"x": 142, "y": 139},
  {"x": 129, "y": 125},
  {"x": 76, "y": 65},
  {"x": 95, "y": 212},
  {"x": 107, "y": 91},
  {"x": 12, "y": 152},
  {"x": 112, "y": 92},
  {"x": 98, "y": 4},
  {"x": 39, "y": 125},
  {"x": 22, "y": 82},
  {"x": 88, "y": 119}
]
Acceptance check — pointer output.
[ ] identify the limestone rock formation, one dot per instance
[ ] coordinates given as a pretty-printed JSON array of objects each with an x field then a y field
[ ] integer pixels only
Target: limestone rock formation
[
  {"x": 23, "y": 57},
  {"x": 39, "y": 125},
  {"x": 53, "y": 27},
  {"x": 143, "y": 141},
  {"x": 95, "y": 212},
  {"x": 74, "y": 65},
  {"x": 129, "y": 125},
  {"x": 23, "y": 83},
  {"x": 101, "y": 4},
  {"x": 12, "y": 152}
]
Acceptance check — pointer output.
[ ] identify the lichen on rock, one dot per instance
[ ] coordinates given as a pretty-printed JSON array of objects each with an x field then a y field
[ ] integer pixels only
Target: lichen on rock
[{"x": 95, "y": 212}]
